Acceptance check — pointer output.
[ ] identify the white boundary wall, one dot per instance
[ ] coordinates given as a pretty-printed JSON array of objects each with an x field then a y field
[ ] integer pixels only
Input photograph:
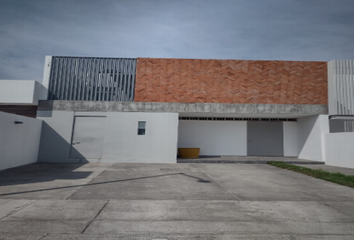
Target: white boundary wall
[
  {"x": 311, "y": 141},
  {"x": 19, "y": 143},
  {"x": 121, "y": 142},
  {"x": 340, "y": 149},
  {"x": 290, "y": 139},
  {"x": 214, "y": 137}
]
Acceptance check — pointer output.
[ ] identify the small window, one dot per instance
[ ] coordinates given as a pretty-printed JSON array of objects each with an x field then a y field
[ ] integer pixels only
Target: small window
[{"x": 141, "y": 127}]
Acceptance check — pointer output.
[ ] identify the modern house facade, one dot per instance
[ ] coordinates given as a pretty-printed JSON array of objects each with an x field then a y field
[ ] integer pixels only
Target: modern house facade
[{"x": 144, "y": 109}]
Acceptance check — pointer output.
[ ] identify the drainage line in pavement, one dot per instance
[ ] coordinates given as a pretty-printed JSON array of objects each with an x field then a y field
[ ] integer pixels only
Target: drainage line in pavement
[
  {"x": 95, "y": 217},
  {"x": 86, "y": 184},
  {"x": 218, "y": 183},
  {"x": 21, "y": 207}
]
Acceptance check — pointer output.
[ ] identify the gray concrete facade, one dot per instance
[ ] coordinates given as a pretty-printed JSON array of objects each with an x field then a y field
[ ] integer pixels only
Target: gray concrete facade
[{"x": 204, "y": 108}]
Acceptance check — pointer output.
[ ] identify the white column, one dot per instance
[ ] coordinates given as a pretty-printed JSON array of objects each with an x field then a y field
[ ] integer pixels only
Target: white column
[{"x": 46, "y": 75}]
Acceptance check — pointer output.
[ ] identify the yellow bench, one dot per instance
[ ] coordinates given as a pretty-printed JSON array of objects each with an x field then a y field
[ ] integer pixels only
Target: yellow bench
[{"x": 188, "y": 152}]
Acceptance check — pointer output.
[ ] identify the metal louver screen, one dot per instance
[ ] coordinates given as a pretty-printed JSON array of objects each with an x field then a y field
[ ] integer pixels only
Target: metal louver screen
[
  {"x": 341, "y": 87},
  {"x": 92, "y": 79}
]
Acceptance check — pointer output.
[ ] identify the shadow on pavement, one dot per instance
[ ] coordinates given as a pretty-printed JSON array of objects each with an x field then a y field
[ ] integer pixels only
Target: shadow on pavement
[
  {"x": 201, "y": 180},
  {"x": 42, "y": 172}
]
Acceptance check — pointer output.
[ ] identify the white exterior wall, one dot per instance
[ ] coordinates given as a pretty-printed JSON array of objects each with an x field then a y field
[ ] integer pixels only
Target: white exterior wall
[
  {"x": 214, "y": 137},
  {"x": 21, "y": 92},
  {"x": 290, "y": 138},
  {"x": 339, "y": 149},
  {"x": 19, "y": 143},
  {"x": 311, "y": 137},
  {"x": 158, "y": 145},
  {"x": 121, "y": 142},
  {"x": 16, "y": 91}
]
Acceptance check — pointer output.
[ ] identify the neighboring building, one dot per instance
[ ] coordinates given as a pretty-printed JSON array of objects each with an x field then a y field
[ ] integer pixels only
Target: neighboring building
[
  {"x": 21, "y": 96},
  {"x": 142, "y": 110}
]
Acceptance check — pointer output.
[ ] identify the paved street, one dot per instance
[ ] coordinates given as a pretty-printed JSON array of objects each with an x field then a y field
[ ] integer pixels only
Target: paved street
[{"x": 171, "y": 201}]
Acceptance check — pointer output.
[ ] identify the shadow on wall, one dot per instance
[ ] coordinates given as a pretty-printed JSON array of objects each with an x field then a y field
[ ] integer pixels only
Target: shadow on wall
[
  {"x": 19, "y": 140},
  {"x": 51, "y": 141},
  {"x": 309, "y": 138},
  {"x": 44, "y": 172}
]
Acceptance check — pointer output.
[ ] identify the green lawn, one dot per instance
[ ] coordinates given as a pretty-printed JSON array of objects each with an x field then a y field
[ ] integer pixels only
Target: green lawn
[{"x": 339, "y": 178}]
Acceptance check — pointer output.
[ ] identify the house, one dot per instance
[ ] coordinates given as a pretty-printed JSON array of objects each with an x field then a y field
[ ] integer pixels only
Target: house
[{"x": 143, "y": 109}]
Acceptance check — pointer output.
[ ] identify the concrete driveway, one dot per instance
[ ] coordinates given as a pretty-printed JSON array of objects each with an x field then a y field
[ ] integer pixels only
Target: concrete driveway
[{"x": 171, "y": 201}]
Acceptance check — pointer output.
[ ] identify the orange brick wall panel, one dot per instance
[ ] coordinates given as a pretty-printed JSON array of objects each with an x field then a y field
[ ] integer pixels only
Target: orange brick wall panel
[{"x": 230, "y": 81}]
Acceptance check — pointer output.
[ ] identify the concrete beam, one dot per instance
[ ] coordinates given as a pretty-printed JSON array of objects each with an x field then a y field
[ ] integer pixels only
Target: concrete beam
[{"x": 207, "y": 108}]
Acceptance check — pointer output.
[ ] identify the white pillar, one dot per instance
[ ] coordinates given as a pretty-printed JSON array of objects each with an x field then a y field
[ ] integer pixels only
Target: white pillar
[{"x": 46, "y": 75}]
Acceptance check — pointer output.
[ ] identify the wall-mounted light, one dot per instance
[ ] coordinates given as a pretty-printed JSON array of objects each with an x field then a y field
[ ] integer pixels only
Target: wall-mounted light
[{"x": 18, "y": 122}]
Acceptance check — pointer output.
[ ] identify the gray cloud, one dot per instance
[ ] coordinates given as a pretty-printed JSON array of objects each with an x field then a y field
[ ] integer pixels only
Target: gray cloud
[{"x": 316, "y": 30}]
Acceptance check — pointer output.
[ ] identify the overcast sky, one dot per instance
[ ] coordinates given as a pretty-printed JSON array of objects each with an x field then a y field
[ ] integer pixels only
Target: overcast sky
[{"x": 307, "y": 30}]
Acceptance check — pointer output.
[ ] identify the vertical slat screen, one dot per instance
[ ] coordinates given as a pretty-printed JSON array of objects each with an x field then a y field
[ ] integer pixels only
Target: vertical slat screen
[
  {"x": 341, "y": 87},
  {"x": 92, "y": 79}
]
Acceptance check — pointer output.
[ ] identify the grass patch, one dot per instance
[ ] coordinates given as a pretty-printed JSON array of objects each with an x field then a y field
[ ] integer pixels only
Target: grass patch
[{"x": 339, "y": 178}]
